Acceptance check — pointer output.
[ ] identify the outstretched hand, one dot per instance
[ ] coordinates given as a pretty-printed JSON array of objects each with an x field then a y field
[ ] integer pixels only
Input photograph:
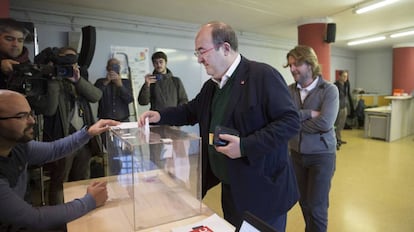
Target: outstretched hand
[
  {"x": 153, "y": 117},
  {"x": 101, "y": 126}
]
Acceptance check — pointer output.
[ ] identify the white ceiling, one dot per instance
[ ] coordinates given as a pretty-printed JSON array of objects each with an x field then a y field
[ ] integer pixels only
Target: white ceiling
[{"x": 271, "y": 17}]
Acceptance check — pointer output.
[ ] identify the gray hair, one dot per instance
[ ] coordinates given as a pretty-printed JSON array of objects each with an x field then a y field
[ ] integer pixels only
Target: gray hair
[{"x": 222, "y": 33}]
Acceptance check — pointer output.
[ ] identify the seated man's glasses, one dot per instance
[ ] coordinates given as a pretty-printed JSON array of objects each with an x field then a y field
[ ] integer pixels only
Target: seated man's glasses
[{"x": 22, "y": 115}]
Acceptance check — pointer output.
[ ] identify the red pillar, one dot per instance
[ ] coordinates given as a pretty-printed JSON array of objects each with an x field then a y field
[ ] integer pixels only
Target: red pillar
[
  {"x": 403, "y": 68},
  {"x": 313, "y": 35},
  {"x": 4, "y": 8}
]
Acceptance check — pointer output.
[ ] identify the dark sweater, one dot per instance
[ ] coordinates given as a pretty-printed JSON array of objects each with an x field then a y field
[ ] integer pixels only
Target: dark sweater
[{"x": 218, "y": 109}]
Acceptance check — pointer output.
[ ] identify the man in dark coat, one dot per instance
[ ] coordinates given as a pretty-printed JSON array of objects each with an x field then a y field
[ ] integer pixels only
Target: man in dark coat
[{"x": 254, "y": 168}]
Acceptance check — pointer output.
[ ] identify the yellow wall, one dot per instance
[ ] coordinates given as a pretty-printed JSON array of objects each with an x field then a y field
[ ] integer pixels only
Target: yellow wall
[{"x": 375, "y": 100}]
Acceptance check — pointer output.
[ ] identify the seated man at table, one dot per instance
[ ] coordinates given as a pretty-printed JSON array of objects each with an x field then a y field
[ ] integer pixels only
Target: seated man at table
[{"x": 18, "y": 150}]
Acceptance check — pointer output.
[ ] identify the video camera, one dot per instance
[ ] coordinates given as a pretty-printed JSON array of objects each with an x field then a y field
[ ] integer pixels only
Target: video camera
[{"x": 31, "y": 79}]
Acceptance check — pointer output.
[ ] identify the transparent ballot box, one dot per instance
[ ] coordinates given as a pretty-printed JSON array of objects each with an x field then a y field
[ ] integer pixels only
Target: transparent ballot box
[{"x": 155, "y": 173}]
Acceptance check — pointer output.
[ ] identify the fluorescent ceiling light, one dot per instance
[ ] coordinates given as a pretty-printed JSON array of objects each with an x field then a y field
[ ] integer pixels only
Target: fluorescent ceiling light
[
  {"x": 399, "y": 34},
  {"x": 372, "y": 6},
  {"x": 368, "y": 40}
]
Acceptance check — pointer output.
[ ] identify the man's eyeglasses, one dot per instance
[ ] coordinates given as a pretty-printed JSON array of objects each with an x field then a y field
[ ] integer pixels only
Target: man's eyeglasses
[
  {"x": 22, "y": 115},
  {"x": 199, "y": 53}
]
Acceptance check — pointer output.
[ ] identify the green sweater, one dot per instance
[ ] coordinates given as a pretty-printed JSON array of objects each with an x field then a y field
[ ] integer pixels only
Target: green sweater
[{"x": 218, "y": 108}]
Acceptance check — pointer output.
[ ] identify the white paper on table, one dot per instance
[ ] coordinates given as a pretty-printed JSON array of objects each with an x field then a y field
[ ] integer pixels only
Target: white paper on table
[
  {"x": 215, "y": 223},
  {"x": 126, "y": 125}
]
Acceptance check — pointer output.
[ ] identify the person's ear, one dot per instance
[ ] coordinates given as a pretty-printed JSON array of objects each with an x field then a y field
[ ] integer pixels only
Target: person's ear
[{"x": 226, "y": 46}]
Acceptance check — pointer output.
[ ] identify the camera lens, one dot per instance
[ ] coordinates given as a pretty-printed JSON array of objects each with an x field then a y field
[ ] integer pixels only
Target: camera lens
[{"x": 64, "y": 71}]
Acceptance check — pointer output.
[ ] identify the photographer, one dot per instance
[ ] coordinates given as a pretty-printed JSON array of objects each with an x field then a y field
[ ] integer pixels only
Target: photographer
[
  {"x": 12, "y": 51},
  {"x": 68, "y": 99},
  {"x": 116, "y": 93},
  {"x": 161, "y": 88},
  {"x": 15, "y": 63}
]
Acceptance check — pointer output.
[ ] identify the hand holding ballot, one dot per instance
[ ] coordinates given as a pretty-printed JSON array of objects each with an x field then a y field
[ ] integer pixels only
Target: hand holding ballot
[{"x": 153, "y": 117}]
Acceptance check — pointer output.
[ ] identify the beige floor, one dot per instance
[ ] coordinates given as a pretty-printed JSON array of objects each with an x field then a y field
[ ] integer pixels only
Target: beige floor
[{"x": 372, "y": 190}]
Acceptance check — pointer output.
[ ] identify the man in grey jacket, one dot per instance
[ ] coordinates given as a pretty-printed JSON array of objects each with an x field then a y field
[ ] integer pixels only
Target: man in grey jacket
[
  {"x": 313, "y": 150},
  {"x": 18, "y": 150}
]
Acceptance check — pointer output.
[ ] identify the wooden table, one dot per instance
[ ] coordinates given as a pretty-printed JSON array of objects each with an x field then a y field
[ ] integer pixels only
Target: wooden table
[{"x": 118, "y": 212}]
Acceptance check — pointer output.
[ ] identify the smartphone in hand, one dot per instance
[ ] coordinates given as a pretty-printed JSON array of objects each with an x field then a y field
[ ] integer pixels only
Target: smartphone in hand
[
  {"x": 158, "y": 77},
  {"x": 116, "y": 68},
  {"x": 223, "y": 130}
]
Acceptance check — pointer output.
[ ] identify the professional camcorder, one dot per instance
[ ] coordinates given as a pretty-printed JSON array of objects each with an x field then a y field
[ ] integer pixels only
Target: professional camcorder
[{"x": 31, "y": 79}]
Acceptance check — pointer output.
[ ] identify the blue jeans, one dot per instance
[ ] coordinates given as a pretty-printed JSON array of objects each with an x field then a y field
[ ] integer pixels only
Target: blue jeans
[{"x": 314, "y": 173}]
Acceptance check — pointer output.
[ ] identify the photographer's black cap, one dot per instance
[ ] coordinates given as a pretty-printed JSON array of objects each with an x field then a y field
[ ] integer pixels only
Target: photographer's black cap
[
  {"x": 66, "y": 59},
  {"x": 51, "y": 55}
]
